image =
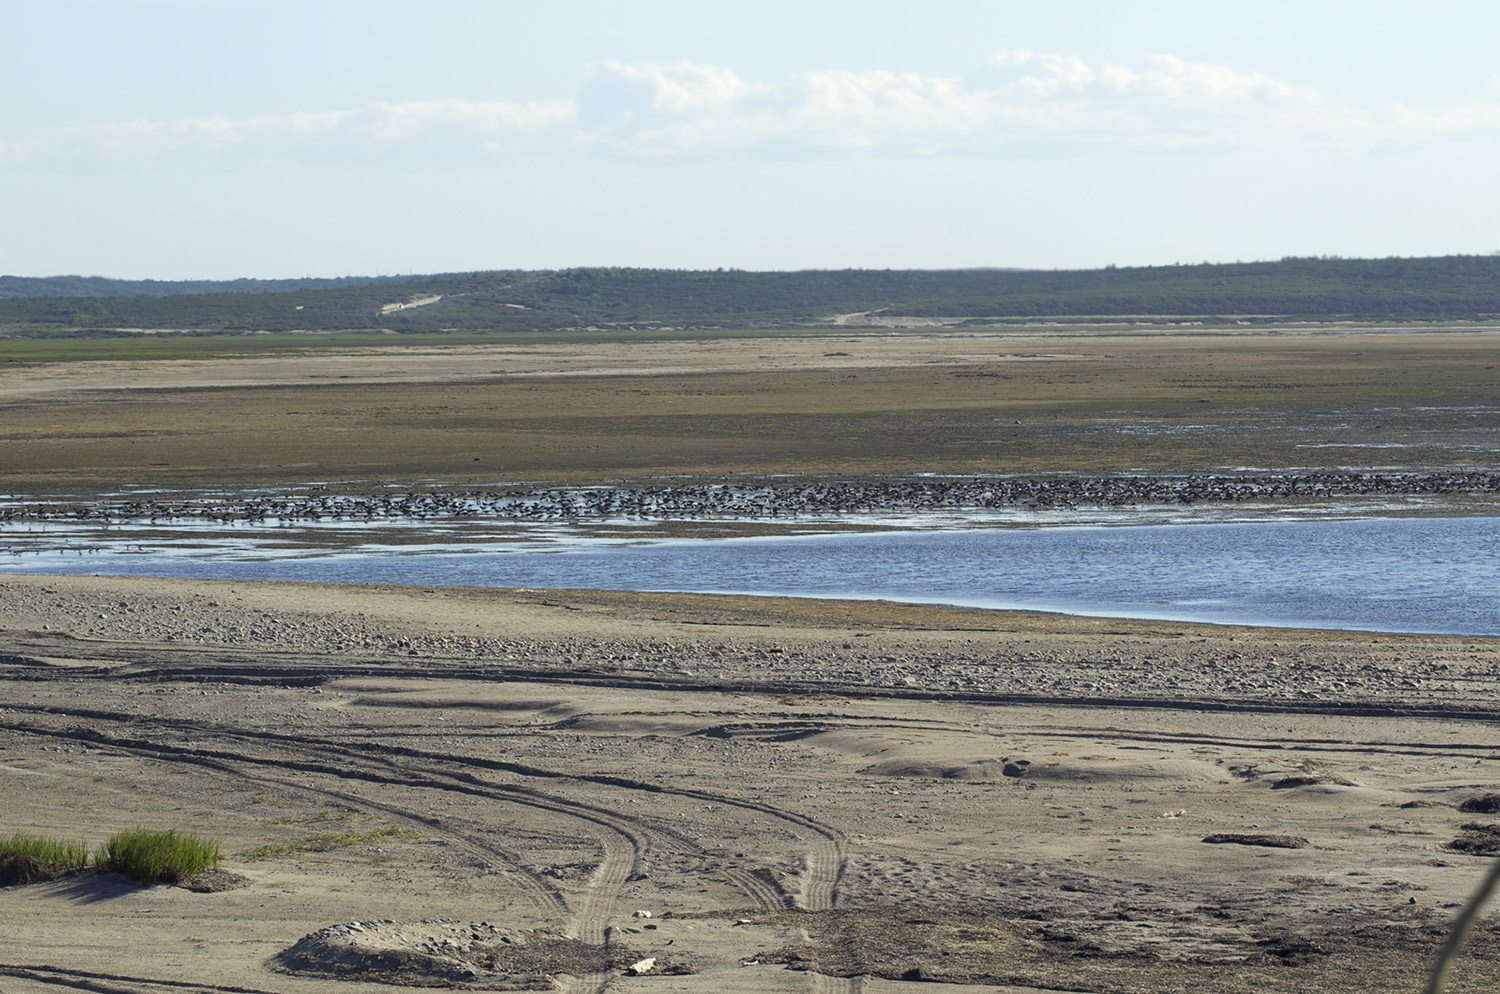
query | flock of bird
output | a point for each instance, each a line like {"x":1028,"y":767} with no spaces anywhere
{"x":762,"y":499}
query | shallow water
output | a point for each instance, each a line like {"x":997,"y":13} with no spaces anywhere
{"x":1418,"y":574}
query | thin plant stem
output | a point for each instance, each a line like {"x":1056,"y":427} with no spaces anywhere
{"x":1460,"y":931}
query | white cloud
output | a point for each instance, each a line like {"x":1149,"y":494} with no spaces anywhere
{"x":1042,"y":75}
{"x":616,"y":89}
{"x":1466,"y":120}
{"x":1170,"y":103}
{"x":434,"y":129}
{"x":1019,"y":103}
{"x":902,"y":112}
{"x":683,"y":109}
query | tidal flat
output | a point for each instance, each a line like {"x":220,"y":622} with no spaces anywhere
{"x":826,"y":404}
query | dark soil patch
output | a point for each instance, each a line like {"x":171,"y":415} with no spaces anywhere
{"x":213,"y":881}
{"x":1484,"y":804}
{"x":1148,"y":950}
{"x":1295,"y":781}
{"x":1251,"y":839}
{"x":18,"y":869}
{"x":1477,"y":840}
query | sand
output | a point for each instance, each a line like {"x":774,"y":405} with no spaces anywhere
{"x":800,"y":795}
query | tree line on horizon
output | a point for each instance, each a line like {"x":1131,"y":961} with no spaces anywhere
{"x":1449,"y":288}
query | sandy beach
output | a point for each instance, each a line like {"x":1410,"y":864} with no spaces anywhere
{"x":801,"y":795}
{"x":588,"y":791}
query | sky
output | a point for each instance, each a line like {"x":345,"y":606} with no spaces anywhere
{"x":216,"y":139}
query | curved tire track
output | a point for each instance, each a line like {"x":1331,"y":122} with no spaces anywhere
{"x":622,"y":841}
{"x":110,"y":983}
{"x":823,"y":862}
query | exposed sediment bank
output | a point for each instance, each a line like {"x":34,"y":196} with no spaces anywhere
{"x":582,"y":412}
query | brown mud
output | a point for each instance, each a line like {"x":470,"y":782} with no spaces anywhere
{"x":981,"y":402}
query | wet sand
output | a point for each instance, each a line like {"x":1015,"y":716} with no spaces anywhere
{"x":803,"y":795}
{"x":836,"y":404}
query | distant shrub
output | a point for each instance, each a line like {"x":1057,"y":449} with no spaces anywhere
{"x":158,"y":857}
{"x":26,"y":858}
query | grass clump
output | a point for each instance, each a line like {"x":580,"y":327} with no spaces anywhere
{"x":26,"y":858}
{"x":329,"y":841}
{"x":319,"y":816}
{"x":158,"y":857}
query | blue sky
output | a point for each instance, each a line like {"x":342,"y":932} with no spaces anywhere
{"x":176,"y":139}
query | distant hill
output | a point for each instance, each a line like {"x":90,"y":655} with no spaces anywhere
{"x":1452,"y":288}
{"x":12,"y":287}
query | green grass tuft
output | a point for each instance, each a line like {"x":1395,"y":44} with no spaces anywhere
{"x":328,"y":841}
{"x":158,"y":857}
{"x":57,"y":855}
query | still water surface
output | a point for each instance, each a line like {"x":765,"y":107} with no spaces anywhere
{"x":1417,"y":574}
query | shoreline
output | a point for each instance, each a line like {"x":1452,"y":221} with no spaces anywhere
{"x":750,"y":558}
{"x":428,"y":620}
{"x":883,"y":599}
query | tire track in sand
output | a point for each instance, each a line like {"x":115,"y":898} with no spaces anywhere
{"x":822,"y":869}
{"x":113,"y":983}
{"x":541,"y":895}
{"x":622,"y":843}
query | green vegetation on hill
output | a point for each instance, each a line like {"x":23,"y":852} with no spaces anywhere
{"x":1453,"y":288}
{"x":98,"y":286}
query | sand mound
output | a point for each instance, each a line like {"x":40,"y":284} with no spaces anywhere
{"x":425,"y":953}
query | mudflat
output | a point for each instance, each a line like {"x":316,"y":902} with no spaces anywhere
{"x":435,"y":786}
{"x":981,"y":402}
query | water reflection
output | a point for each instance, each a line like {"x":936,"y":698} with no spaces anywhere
{"x":1413,"y":573}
